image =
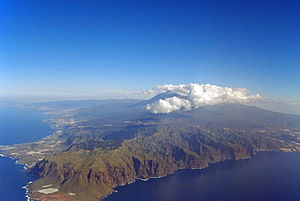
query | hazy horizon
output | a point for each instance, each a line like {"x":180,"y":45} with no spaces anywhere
{"x":185,"y":96}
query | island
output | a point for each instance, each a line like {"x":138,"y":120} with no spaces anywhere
{"x":98,"y":145}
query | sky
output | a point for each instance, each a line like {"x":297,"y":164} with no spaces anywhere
{"x":107,"y":49}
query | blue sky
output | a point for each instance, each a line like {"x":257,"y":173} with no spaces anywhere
{"x":83,"y":48}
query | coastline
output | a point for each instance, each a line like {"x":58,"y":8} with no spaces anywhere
{"x":231,"y":169}
{"x":25,"y":167}
{"x":27,"y":193}
{"x":200,"y":168}
{"x":113,"y":189}
{"x":27,"y":187}
{"x":54,"y":127}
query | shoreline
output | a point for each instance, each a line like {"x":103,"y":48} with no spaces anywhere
{"x":27,"y":193}
{"x":25,"y":167}
{"x":54,"y":129}
{"x":27,"y":187}
{"x":139,"y":186}
{"x":201,"y":168}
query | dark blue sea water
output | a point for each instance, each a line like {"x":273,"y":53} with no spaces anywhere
{"x":18,"y":126}
{"x":266,"y":177}
{"x":12,"y":178}
{"x":22,"y":125}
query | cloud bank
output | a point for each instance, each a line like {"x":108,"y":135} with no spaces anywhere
{"x":194,"y":95}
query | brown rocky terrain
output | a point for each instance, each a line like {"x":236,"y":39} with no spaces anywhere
{"x":92,"y":174}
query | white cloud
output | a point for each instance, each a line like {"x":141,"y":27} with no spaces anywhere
{"x":195,"y":95}
{"x":169,"y":105}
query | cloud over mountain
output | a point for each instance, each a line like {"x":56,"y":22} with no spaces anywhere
{"x":195,"y":95}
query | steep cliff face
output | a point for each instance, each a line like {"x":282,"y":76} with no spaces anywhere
{"x":92,"y":174}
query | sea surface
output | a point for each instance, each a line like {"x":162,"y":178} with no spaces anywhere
{"x":18,"y":126}
{"x":265,"y":177}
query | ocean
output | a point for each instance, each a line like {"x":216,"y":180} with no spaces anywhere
{"x":18,"y":126}
{"x":266,"y":177}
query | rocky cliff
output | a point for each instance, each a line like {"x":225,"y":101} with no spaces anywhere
{"x":92,"y":174}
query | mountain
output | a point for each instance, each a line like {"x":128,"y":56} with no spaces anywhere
{"x":116,"y":142}
{"x":168,"y":94}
